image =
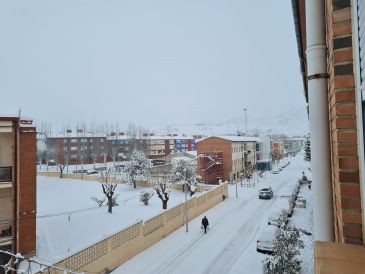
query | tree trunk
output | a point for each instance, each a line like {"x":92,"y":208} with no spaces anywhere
{"x":164,"y":204}
{"x":61,"y":173}
{"x":134,"y":184}
{"x":110,"y":204}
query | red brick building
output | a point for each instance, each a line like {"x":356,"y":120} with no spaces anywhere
{"x":330,"y":35}
{"x":235,"y":154}
{"x":17,"y":187}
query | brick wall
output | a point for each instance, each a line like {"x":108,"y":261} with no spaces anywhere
{"x":342,"y":118}
{"x":26,"y":241}
{"x":218,"y":145}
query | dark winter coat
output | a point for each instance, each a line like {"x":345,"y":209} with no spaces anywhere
{"x":205,"y":222}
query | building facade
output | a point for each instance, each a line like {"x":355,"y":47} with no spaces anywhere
{"x":17,"y":187}
{"x":330,"y":45}
{"x":237,"y":154}
{"x":277,"y":150}
{"x":184,"y":144}
{"x":74,"y":148}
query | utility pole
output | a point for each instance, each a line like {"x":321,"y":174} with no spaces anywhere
{"x":245,"y":110}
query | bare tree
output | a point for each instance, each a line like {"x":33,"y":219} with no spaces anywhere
{"x":162,"y":187}
{"x":61,"y":160}
{"x":113,"y":152}
{"x":95,"y":151}
{"x":41,"y":151}
{"x":108,"y":187}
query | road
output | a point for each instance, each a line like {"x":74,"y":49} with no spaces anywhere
{"x":233,"y":227}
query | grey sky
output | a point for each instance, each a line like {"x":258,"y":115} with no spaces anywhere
{"x":147,"y":62}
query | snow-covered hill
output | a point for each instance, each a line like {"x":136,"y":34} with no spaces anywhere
{"x":293,"y":122}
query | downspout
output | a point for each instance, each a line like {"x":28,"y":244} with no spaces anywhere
{"x":319,"y":120}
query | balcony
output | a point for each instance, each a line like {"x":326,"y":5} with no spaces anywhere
{"x":6,"y":176}
{"x":337,"y":258}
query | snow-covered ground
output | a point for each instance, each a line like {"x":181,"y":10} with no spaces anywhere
{"x":230,"y":245}
{"x":69,"y":221}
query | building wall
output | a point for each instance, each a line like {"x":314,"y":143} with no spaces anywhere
{"x":218,"y":144}
{"x":6,"y":148}
{"x":26,"y":241}
{"x":342,"y":120}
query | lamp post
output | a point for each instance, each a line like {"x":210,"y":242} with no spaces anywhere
{"x":186,"y":208}
{"x":245,"y":110}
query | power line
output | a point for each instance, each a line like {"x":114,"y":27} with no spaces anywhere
{"x":20,"y":258}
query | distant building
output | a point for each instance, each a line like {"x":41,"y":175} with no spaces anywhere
{"x":119,"y":146}
{"x":263,"y":153}
{"x":17,"y":187}
{"x":183,"y":144}
{"x":293,"y":145}
{"x":277,"y":150}
{"x":71,"y":147}
{"x":235,"y":155}
{"x":156,"y":147}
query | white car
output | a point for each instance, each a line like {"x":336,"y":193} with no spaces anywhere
{"x":286,"y":204}
{"x":91,"y":171}
{"x":265,"y":239}
{"x":275,"y":171}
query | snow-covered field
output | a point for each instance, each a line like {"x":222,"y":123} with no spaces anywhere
{"x":69,"y":221}
{"x":230,"y":245}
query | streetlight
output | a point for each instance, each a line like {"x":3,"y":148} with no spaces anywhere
{"x":245,"y":110}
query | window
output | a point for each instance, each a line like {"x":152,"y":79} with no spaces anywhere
{"x":5,"y":174}
{"x":73,"y":140}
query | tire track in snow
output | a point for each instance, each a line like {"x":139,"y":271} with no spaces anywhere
{"x":225,"y":260}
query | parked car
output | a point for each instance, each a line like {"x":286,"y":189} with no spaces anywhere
{"x":275,"y":214}
{"x":265,"y":239}
{"x":91,"y":171}
{"x":266,"y":193}
{"x":80,"y":171}
{"x":286,"y":204}
{"x":275,"y":171}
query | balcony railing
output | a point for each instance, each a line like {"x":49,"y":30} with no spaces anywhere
{"x":5,"y":174}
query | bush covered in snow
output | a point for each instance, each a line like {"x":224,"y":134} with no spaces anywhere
{"x":144,"y":197}
{"x":286,"y":249}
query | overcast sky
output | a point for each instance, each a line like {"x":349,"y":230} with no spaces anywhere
{"x":148,"y":62}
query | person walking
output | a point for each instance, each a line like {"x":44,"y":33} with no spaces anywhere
{"x":205,"y":224}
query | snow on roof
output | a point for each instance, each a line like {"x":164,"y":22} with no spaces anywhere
{"x":193,"y":152}
{"x":233,"y":138}
{"x":75,"y":135}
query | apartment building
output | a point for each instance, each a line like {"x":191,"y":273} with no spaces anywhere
{"x":17,"y":187}
{"x":330,"y":37}
{"x":156,"y":147}
{"x":236,"y":154}
{"x":183,"y":144}
{"x":72,"y":147}
{"x":119,"y":146}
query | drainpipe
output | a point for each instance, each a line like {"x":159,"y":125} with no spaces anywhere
{"x":319,"y":120}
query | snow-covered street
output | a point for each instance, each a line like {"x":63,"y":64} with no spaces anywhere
{"x":230,"y":245}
